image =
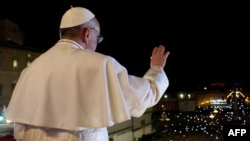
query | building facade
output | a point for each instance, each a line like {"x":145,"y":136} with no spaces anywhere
{"x":12,"y":61}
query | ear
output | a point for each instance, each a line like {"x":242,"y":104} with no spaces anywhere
{"x":85,"y":35}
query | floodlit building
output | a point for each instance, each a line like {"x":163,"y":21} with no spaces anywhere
{"x":13,"y":59}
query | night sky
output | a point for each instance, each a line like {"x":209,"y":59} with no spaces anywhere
{"x":208,"y":41}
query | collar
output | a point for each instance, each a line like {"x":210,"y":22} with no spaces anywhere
{"x":76,"y":45}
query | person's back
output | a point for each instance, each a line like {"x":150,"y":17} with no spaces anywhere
{"x":72,"y":93}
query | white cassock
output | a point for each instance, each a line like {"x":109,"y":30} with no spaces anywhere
{"x":68,"y":87}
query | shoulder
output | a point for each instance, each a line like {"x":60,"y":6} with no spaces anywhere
{"x":98,"y":56}
{"x":106,"y":61}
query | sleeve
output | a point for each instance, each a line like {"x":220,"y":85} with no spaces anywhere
{"x":158,"y":83}
{"x":141,"y":93}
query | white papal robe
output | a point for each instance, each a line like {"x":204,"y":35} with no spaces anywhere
{"x":68,"y":87}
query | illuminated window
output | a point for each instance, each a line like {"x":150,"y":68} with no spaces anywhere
{"x":28,"y":63}
{"x":181,"y":96}
{"x":15,"y":63}
{"x":28,"y":59}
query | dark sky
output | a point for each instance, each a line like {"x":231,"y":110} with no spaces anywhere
{"x":208,"y":41}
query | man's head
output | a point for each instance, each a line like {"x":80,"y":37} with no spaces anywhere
{"x":79,"y":24}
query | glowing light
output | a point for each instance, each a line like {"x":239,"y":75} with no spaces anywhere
{"x":181,"y":96}
{"x":165,"y":96}
{"x":215,"y":111}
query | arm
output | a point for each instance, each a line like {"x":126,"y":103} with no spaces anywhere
{"x":157,"y":79}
